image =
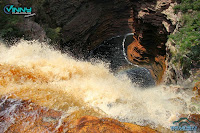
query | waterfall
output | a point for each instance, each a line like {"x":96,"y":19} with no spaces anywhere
{"x":124,"y":51}
{"x":34,"y":71}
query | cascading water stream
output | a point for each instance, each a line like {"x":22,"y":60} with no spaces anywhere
{"x":124,"y":51}
{"x":34,"y":71}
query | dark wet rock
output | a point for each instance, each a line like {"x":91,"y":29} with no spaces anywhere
{"x":141,"y":76}
{"x":111,"y":51}
{"x":86,"y":24}
{"x":33,"y":30}
{"x":125,"y":51}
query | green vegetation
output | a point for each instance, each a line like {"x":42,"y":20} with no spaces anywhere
{"x":53,"y":34}
{"x":8,"y":25}
{"x":187,"y":39}
{"x":187,"y":5}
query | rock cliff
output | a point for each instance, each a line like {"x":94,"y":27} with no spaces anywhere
{"x":81,"y":26}
{"x":86,"y":24}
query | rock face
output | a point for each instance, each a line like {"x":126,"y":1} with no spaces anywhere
{"x":142,"y":55}
{"x":89,"y":124}
{"x":136,"y":53}
{"x":33,"y":30}
{"x":89,"y":23}
{"x":24,"y":116}
{"x":86,"y":24}
{"x":152,"y":22}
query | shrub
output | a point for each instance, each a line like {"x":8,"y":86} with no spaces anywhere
{"x":187,"y":39}
{"x":53,"y":34}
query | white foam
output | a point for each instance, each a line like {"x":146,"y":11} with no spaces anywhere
{"x":91,"y":84}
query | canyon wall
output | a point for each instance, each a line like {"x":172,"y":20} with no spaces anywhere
{"x":85,"y":24}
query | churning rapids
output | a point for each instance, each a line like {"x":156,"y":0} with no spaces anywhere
{"x":34,"y":71}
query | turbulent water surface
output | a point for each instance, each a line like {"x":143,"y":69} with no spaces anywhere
{"x":34,"y":71}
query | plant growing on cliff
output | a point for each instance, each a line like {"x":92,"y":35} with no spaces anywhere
{"x":53,"y":34}
{"x":187,"y":39}
{"x":186,"y":5}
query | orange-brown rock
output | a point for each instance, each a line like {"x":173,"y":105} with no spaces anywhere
{"x":150,"y":57}
{"x":136,"y":53}
{"x":197,"y":88}
{"x":159,"y":68}
{"x":196,"y":119}
{"x":23,"y":116}
{"x":26,"y":117}
{"x":90,"y":124}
